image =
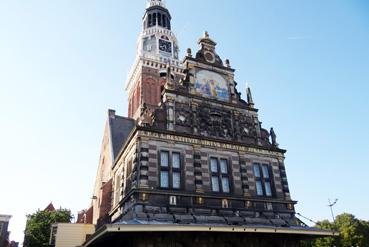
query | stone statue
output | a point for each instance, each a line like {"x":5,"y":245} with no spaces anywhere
{"x":274,"y":137}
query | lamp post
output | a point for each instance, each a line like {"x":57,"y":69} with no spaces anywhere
{"x":331,"y":206}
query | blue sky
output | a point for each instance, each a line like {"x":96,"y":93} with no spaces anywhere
{"x":63,"y":63}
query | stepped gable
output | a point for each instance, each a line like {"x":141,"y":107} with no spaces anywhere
{"x":209,"y":108}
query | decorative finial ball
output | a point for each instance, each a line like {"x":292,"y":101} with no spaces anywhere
{"x":206,"y":34}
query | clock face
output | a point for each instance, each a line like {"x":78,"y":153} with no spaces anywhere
{"x":165,"y":46}
{"x":212,"y":85}
{"x":209,"y":57}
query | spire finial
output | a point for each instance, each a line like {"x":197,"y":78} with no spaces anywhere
{"x":206,"y":34}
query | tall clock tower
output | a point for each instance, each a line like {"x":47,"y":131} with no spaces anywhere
{"x":156,"y":61}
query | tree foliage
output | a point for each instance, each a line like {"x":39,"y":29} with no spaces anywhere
{"x":38,"y":226}
{"x":353,"y":232}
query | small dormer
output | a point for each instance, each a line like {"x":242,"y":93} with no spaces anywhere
{"x":207,"y":51}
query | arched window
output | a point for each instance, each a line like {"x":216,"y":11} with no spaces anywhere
{"x":154,"y":19}
{"x":164,"y":20}
{"x":150,"y":20}
{"x":159,"y":19}
{"x":168,"y":23}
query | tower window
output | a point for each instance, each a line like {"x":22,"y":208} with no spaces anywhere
{"x":170,"y":170}
{"x":168,"y":23}
{"x":150,"y":20}
{"x":154,"y":19}
{"x":262,"y":180}
{"x":164,"y":20}
{"x":159,"y":19}
{"x":219,"y":175}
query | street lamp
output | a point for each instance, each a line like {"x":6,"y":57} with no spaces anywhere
{"x":331,"y":206}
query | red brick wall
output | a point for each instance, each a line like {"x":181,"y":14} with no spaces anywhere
{"x":105,"y":205}
{"x":148,"y":89}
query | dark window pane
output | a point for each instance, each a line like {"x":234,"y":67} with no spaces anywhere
{"x":164,"y":179}
{"x":176,"y":180}
{"x":164,"y":159}
{"x":150,"y":20}
{"x":257,"y":170}
{"x":265,"y":171}
{"x":259,"y":188}
{"x":159,"y":19}
{"x":215,"y":184}
{"x":224,"y":166}
{"x":214,"y":165}
{"x":164,"y":21}
{"x":268,"y":190}
{"x":154,"y":19}
{"x":176,"y":160}
{"x":225,"y":185}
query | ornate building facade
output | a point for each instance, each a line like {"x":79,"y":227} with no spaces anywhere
{"x":192,"y":164}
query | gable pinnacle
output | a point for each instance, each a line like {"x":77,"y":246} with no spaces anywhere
{"x":250,"y":101}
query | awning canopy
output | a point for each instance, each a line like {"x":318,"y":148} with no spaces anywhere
{"x":142,"y":228}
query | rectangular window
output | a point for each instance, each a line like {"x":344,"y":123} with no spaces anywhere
{"x":223,"y":166}
{"x":262,"y":180}
{"x":268,"y":189}
{"x":164,"y":158}
{"x":259,"y":188}
{"x":170,"y":170}
{"x":214,"y":165}
{"x":219,"y":175}
{"x":176,"y":158}
{"x":164,"y":179}
{"x":257,"y":170}
{"x":176,"y":180}
{"x":215,"y":184}
{"x":225,"y":185}
{"x":265,"y":171}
